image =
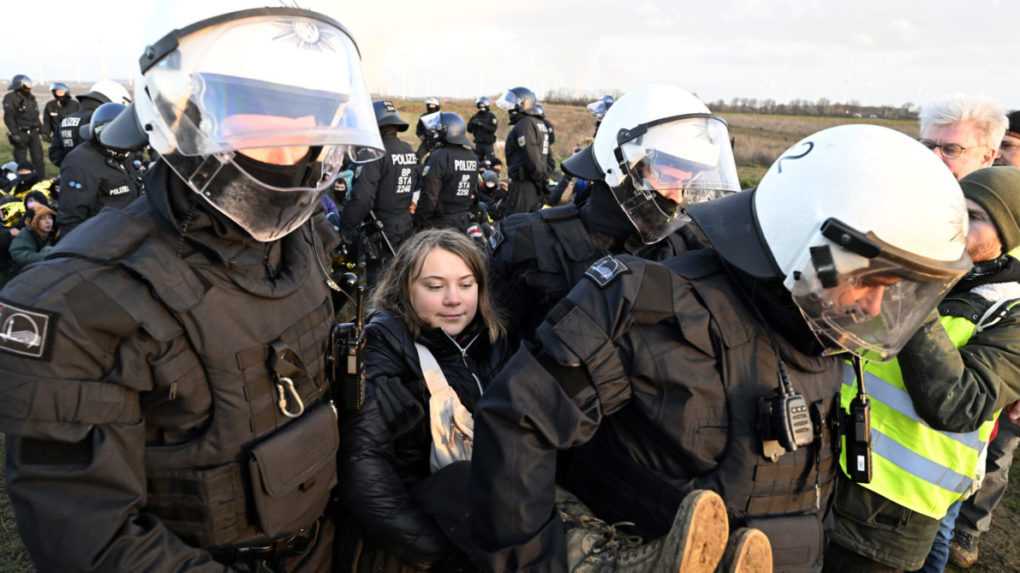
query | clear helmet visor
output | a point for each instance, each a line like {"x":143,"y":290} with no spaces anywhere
{"x":264,"y":81}
{"x":283,"y":89}
{"x":876,"y":305}
{"x":670,"y":166}
{"x":598,"y":108}
{"x":432,"y":121}
{"x":507,"y":101}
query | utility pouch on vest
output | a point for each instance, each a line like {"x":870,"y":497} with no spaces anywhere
{"x":294,"y":470}
{"x":797,"y":541}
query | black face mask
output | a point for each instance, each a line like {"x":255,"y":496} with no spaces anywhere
{"x":283,"y":176}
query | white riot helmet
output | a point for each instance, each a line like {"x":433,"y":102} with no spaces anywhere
{"x":112,"y":91}
{"x":230,"y":99}
{"x":659,"y":149}
{"x":865,"y":226}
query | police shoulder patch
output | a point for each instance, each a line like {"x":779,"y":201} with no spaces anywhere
{"x":522,"y":141}
{"x":26,"y":331}
{"x":606,"y":269}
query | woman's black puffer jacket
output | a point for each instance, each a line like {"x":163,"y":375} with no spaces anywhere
{"x":385,"y":447}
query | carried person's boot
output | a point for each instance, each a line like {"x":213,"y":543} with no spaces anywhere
{"x":963,"y":549}
{"x":748,"y":552}
{"x":694,"y":544}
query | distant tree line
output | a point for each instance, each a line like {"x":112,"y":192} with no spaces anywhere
{"x":820,"y":107}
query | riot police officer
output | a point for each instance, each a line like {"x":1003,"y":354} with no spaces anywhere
{"x":382,"y":192}
{"x":599,"y":107}
{"x":482,"y":126}
{"x":164,"y":368}
{"x":539,"y":257}
{"x":551,"y":160}
{"x":450,"y":175}
{"x":94,"y":176}
{"x":69,"y":135}
{"x":428,"y":139}
{"x":527,"y":151}
{"x":56,"y":110}
{"x":21,"y":116}
{"x":714,"y":370}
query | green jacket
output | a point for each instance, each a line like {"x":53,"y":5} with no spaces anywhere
{"x":27,"y":248}
{"x":952,"y":390}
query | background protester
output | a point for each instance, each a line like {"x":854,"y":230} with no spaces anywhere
{"x":1009,"y":149}
{"x":35,"y":240}
{"x":964,"y":131}
{"x":433,"y":303}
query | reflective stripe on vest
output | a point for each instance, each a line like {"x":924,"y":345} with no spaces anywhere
{"x":915,"y":465}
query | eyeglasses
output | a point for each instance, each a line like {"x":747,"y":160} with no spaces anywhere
{"x":949,"y":150}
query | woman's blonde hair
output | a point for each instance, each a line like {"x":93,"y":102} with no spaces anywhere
{"x":393,"y":293}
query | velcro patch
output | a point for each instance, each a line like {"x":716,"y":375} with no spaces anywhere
{"x":25,"y":331}
{"x":606,"y":269}
{"x":522,"y":141}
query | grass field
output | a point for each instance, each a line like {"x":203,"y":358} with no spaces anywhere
{"x":759,"y":139}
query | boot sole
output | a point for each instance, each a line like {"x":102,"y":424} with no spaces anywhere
{"x":750,"y":552}
{"x":704,"y":529}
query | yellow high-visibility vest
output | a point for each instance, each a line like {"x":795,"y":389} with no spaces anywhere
{"x":913,"y":464}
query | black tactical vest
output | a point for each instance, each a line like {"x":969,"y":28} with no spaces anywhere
{"x":636,"y":454}
{"x":225,"y":465}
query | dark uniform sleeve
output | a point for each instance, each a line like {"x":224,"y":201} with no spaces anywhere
{"x":956,"y":390}
{"x":432,"y":185}
{"x":536,"y":164}
{"x":78,"y":198}
{"x":549,"y":396}
{"x":514,"y":243}
{"x":373,"y":489}
{"x":9,"y":114}
{"x":362,"y":197}
{"x":75,"y":433}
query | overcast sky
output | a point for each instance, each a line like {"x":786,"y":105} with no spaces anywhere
{"x":874,"y":51}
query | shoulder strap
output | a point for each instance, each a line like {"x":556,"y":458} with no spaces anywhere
{"x":571,"y":233}
{"x":435,"y":380}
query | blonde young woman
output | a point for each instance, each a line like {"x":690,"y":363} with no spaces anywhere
{"x":431,"y":307}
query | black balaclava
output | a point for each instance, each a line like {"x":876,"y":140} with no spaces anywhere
{"x":283,"y":176}
{"x":602,"y":214}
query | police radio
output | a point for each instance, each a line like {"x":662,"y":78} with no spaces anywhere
{"x":784,"y":420}
{"x":857,"y":430}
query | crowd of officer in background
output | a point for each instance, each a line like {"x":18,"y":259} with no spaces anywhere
{"x":635,"y":366}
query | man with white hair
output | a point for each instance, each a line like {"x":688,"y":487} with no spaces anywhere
{"x":964,"y":131}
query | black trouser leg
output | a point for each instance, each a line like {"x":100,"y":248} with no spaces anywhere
{"x":38,"y":159}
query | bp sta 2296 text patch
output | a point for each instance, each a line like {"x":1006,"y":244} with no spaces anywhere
{"x":25,"y":331}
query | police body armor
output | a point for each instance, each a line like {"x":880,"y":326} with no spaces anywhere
{"x":786,"y":499}
{"x":457,"y":169}
{"x":916,"y":466}
{"x":68,"y":136}
{"x":241,"y":441}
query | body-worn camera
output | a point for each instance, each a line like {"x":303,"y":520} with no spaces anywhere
{"x":857,"y":431}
